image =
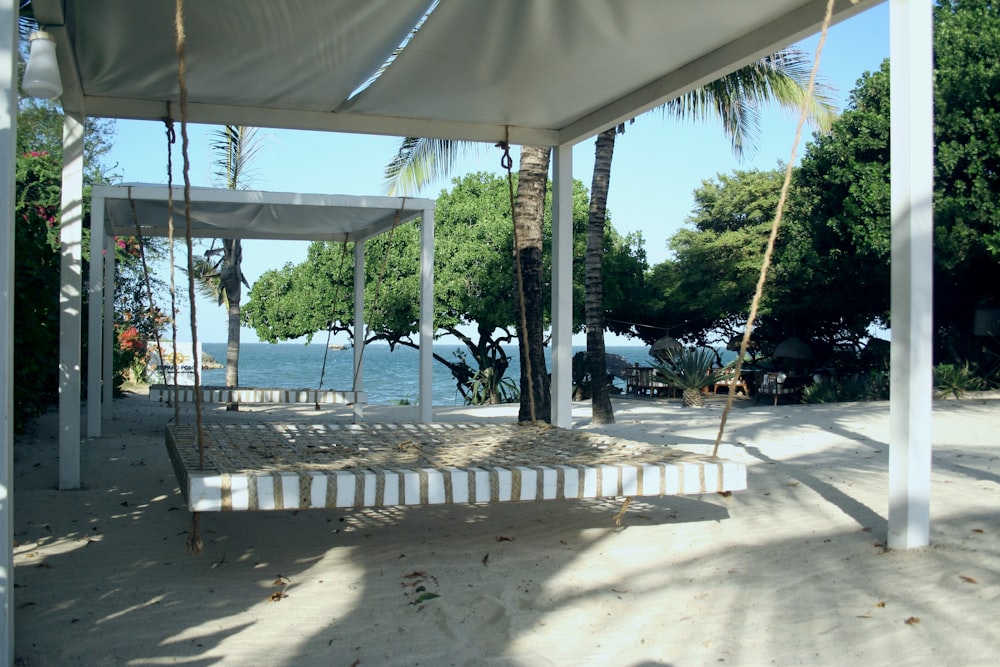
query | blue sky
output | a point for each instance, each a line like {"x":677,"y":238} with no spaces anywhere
{"x":657,"y":165}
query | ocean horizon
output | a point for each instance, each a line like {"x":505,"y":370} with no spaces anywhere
{"x":390,"y":376}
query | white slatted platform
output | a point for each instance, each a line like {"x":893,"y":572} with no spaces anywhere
{"x":325,"y":466}
{"x":165,"y":393}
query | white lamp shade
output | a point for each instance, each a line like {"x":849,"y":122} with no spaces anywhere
{"x":41,"y":76}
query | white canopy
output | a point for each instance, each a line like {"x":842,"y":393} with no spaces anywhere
{"x":252,"y":214}
{"x":554,"y":71}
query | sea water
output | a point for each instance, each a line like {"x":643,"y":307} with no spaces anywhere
{"x":390,"y":376}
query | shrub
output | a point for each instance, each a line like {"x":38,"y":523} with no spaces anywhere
{"x":955,"y":380}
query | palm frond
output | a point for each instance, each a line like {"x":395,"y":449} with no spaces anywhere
{"x":206,"y":277}
{"x":736,"y":99}
{"x":421,"y":161}
{"x":235,"y":147}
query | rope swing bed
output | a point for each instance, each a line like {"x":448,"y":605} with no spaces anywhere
{"x":291,"y":466}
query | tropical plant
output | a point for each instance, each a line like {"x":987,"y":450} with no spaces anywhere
{"x":35,"y":287}
{"x":490,"y":387}
{"x":955,"y":380}
{"x":691,"y":370}
{"x":870,"y":386}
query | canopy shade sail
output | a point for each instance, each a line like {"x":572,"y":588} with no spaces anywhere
{"x":250,"y":214}
{"x":539,"y":73}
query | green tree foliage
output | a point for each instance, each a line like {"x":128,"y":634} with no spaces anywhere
{"x":707,"y":287}
{"x":831,"y":279}
{"x":474,"y":289}
{"x":37,"y":263}
{"x":36,"y":278}
{"x":967,"y":170}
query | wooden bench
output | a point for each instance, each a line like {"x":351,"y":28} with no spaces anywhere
{"x":777,"y":385}
{"x":642,"y":380}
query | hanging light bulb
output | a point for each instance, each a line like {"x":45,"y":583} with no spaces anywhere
{"x":41,"y":76}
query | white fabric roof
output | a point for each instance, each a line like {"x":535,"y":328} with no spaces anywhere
{"x":251,"y":214}
{"x":549,"y":72}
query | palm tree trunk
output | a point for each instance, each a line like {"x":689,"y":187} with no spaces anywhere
{"x":603,"y":413}
{"x":529,"y":210}
{"x":232,"y":262}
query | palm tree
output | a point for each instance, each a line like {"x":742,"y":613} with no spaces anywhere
{"x":219,"y":272}
{"x":735,"y":100}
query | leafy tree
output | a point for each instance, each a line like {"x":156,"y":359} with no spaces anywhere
{"x":835,"y":268}
{"x":831,"y":279}
{"x":831,"y":275}
{"x":474,"y":284}
{"x":967,"y":170}
{"x":37,"y":260}
{"x":36,"y":284}
{"x":707,"y":287}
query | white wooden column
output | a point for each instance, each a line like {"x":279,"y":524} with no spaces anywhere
{"x":108,"y":339}
{"x":70,"y":302}
{"x":358,"y":380}
{"x":95,"y":319}
{"x":562,"y":286}
{"x":426,"y":380}
{"x":911,"y":376}
{"x":8,"y":133}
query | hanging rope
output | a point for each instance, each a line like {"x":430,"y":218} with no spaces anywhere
{"x":151,"y":310}
{"x":507,"y":163}
{"x":171,"y":139}
{"x":775,"y":226}
{"x":329,"y":328}
{"x":194,"y":542}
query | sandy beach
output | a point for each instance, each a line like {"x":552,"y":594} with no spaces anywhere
{"x":792,"y":571}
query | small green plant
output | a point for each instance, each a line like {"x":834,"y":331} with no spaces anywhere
{"x":488,"y":386}
{"x":955,"y":380}
{"x":870,"y":386}
{"x":690,"y":370}
{"x":821,"y":392}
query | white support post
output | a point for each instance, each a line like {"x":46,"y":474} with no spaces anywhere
{"x":912,"y":165}
{"x":358,"y":381}
{"x":426,"y":379}
{"x":95,"y":319}
{"x":562,"y":286}
{"x":70,"y":302}
{"x":108,"y":367}
{"x":8,"y":134}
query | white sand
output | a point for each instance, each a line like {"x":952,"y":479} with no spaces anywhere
{"x":789,"y":572}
